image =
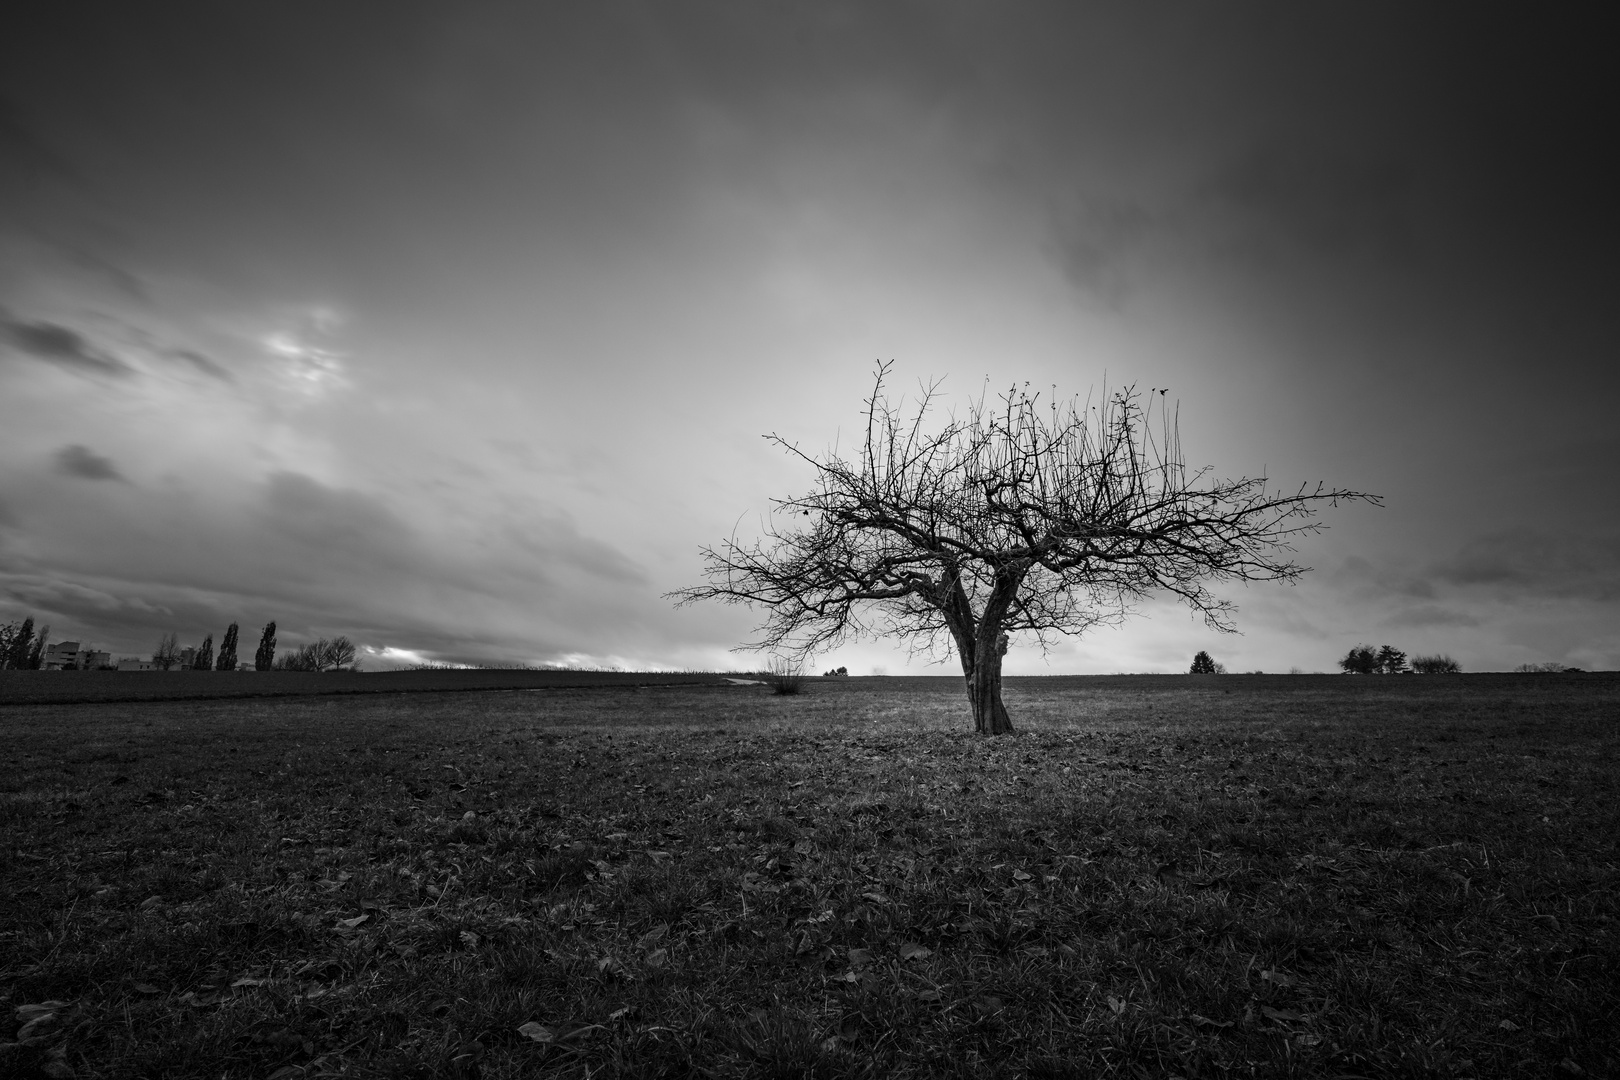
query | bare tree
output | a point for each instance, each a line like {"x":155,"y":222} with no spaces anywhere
{"x":336,"y":654}
{"x":167,"y":653}
{"x":1014,"y":518}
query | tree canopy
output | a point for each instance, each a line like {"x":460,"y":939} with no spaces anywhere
{"x":1013,"y":517}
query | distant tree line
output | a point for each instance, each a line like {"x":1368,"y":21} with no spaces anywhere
{"x":1388,"y":660}
{"x":24,"y":648}
{"x":326,"y":654}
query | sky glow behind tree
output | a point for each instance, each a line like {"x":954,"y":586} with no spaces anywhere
{"x":454,"y":329}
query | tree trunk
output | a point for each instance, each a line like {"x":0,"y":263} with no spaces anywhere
{"x":983,"y":670}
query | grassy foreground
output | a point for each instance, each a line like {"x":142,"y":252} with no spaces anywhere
{"x":1250,"y":876}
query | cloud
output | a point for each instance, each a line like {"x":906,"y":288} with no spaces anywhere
{"x":84,"y":463}
{"x":202,"y":364}
{"x":319,"y":559}
{"x":1425,"y":615}
{"x":1324,"y":201}
{"x":21,"y":147}
{"x":60,"y":345}
{"x":1532,"y":561}
{"x":1092,"y":247}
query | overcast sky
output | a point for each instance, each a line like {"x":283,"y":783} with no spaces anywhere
{"x":454,"y":328}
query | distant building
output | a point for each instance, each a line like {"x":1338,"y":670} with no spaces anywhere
{"x":64,"y":654}
{"x":135,"y":663}
{"x":69,"y":655}
{"x":188,"y":656}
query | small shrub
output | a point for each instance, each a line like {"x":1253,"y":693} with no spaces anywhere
{"x":1435,"y":665}
{"x":1540,"y":669}
{"x":785,"y":678}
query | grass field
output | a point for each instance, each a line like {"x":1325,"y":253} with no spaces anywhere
{"x":1159,"y":876}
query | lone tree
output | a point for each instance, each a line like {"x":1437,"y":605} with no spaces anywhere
{"x":1203,"y":664}
{"x":265,"y":657}
{"x":204,"y":658}
{"x":167,"y":653}
{"x":337,"y":654}
{"x":227,"y":650}
{"x":1014,"y":517}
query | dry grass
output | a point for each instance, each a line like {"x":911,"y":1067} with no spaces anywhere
{"x":1240,"y":876}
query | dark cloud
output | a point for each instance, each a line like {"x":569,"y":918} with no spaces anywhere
{"x":110,"y":272}
{"x":1531,"y":561}
{"x":22,"y":148}
{"x":1365,"y":580}
{"x":202,"y":364}
{"x":59,"y":345}
{"x":1328,"y":201}
{"x":1427,"y":615}
{"x":86,"y":464}
{"x":1092,"y":247}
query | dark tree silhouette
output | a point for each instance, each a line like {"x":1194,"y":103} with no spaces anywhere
{"x":265,"y":658}
{"x":227,"y":650}
{"x":1203,"y":664}
{"x":1391,"y":661}
{"x":167,"y":653}
{"x":16,"y":643}
{"x":1013,"y":518}
{"x":335,"y":654}
{"x":1435,"y":665}
{"x":204,"y":658}
{"x":1361,"y":660}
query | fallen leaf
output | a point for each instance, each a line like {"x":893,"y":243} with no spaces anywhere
{"x":875,"y":897}
{"x":1281,"y":1015}
{"x":533,"y":1030}
{"x":913,"y":951}
{"x":354,"y":922}
{"x":1207,"y":1022}
{"x":657,"y":958}
{"x":1117,"y":1005}
{"x":26,"y":1013}
{"x":1019,"y":875}
{"x":469,"y":939}
{"x":1508,"y":1025}
{"x":859,"y":958}
{"x":1277,"y":978}
{"x":145,"y":988}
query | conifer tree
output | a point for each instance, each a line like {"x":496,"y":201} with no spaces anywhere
{"x":1203,"y":664}
{"x":204,"y":660}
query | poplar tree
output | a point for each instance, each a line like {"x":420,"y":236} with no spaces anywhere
{"x":204,"y":660}
{"x":265,"y":658}
{"x":227,"y":650}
